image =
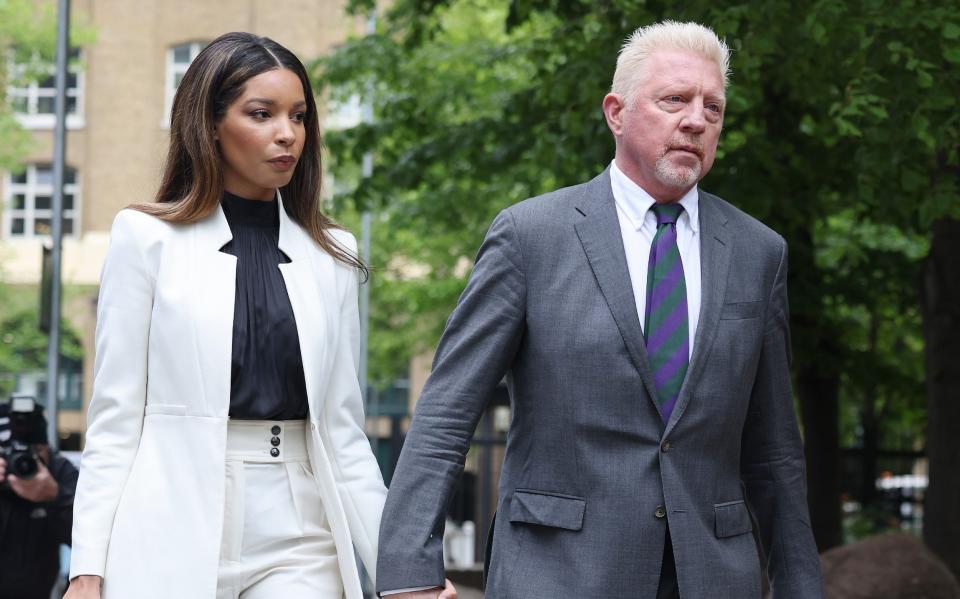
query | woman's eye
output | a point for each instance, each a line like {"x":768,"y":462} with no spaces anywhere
{"x":299,"y":117}
{"x":260,"y":114}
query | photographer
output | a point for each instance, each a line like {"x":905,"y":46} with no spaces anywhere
{"x":36,"y":502}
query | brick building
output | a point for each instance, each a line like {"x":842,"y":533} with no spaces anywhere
{"x":119,"y":102}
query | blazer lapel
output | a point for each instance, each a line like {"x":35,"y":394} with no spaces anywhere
{"x":214,"y":288}
{"x":599,"y":233}
{"x":302,"y":276}
{"x":715,"y":248}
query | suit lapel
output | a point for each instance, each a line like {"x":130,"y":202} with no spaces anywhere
{"x":599,"y":233}
{"x":214,"y":288}
{"x":301,"y":277}
{"x":715,"y":248}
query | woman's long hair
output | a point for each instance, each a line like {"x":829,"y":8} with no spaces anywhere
{"x":192,"y":184}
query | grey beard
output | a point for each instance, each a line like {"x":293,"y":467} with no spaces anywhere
{"x":668,"y":174}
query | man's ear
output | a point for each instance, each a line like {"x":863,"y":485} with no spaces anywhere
{"x":613,"y":106}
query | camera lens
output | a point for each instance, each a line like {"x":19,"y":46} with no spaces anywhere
{"x":23,"y":465}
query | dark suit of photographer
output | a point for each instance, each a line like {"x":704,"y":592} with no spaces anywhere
{"x":36,"y":517}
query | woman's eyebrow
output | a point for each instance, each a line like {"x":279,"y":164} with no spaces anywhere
{"x":269,"y":102}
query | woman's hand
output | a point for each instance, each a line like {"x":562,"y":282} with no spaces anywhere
{"x":448,"y":592}
{"x":84,"y":587}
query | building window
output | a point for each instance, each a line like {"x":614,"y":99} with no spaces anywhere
{"x":178,"y":60}
{"x":28,"y":202}
{"x":33,"y":97}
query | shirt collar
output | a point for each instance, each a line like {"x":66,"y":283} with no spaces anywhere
{"x":635,"y":202}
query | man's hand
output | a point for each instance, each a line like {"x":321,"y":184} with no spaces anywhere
{"x":39,"y":489}
{"x":449,"y":592}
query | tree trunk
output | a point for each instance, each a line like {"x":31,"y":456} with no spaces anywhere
{"x":817,"y":379}
{"x":868,"y":460}
{"x":940,"y":299}
{"x":871,"y":429}
{"x":819,"y":406}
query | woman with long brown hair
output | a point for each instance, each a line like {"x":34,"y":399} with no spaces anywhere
{"x":225,"y":454}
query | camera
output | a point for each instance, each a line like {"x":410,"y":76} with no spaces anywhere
{"x":26,"y":429}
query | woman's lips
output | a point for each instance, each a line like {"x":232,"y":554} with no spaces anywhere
{"x":283,"y":163}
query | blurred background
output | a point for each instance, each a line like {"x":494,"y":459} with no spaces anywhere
{"x":842,"y":133}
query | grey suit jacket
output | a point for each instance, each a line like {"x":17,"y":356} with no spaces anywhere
{"x":592,"y":475}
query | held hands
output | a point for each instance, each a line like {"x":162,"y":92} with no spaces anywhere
{"x":84,"y":587}
{"x":448,"y":592}
{"x":39,"y":489}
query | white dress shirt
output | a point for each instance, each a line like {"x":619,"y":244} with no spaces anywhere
{"x":638,"y":225}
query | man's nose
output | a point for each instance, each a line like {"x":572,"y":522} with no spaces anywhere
{"x":695,"y":119}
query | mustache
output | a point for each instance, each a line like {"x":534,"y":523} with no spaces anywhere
{"x":689,"y":144}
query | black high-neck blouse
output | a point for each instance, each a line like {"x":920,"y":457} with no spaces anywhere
{"x":267,"y":381}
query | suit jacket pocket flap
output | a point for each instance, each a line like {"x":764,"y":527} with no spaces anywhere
{"x":732,"y":519}
{"x":740,"y":310}
{"x":547,"y":509}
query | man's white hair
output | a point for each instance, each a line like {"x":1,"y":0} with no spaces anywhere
{"x":666,"y":35}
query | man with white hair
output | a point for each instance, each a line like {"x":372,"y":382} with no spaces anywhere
{"x":642,"y":327}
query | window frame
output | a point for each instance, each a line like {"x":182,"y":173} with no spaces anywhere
{"x":33,"y":91}
{"x":172,"y":69}
{"x":30,"y":189}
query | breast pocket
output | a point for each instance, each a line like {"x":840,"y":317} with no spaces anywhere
{"x":741,"y":310}
{"x":153,"y":409}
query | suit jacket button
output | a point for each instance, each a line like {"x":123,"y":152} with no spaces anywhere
{"x":275,"y":430}
{"x":660,"y":513}
{"x":665,"y":446}
{"x":274,"y":451}
{"x":275,"y":441}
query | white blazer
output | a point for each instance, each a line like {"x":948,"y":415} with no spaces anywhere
{"x":148,"y":513}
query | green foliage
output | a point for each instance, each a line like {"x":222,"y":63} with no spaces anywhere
{"x":28,"y":35}
{"x":28,"y":27}
{"x":878,"y":323}
{"x":23,"y":347}
{"x":867,"y":523}
{"x":841,"y":133}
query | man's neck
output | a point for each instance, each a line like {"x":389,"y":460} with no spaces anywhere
{"x":660,"y":193}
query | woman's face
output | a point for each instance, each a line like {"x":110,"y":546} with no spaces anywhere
{"x":261,"y":136}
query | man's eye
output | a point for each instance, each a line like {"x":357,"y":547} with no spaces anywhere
{"x":714,"y":108}
{"x":674,"y":99}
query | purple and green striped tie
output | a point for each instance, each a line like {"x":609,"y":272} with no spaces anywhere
{"x":667,"y":327}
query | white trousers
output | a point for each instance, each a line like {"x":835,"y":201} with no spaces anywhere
{"x":276,"y":538}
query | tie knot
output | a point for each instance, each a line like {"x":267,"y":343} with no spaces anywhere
{"x":667,"y":213}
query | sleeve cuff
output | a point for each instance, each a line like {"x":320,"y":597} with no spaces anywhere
{"x":87,"y":561}
{"x":410,"y":590}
